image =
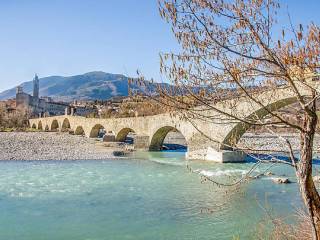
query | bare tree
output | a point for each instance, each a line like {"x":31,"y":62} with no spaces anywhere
{"x":233,"y":50}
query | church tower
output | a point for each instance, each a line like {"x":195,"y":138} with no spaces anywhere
{"x":36,"y":87}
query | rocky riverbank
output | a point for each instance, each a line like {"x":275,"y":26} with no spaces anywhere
{"x":51,"y":146}
{"x":267,"y":142}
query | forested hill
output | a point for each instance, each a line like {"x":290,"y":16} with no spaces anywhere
{"x":88,"y":86}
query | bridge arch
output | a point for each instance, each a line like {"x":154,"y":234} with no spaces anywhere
{"x":123,"y":133}
{"x":65,"y":125}
{"x":79,"y":131}
{"x":94,"y":133}
{"x":40,"y":125}
{"x":55,"y":125}
{"x":34,"y":126}
{"x":159,"y":137}
{"x":239,"y":129}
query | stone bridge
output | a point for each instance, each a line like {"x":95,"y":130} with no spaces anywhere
{"x":209,"y":137}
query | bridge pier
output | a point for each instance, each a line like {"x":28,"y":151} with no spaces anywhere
{"x":109,"y":137}
{"x":210,"y":154}
{"x":141,"y":142}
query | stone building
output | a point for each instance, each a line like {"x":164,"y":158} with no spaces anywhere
{"x":45,"y":106}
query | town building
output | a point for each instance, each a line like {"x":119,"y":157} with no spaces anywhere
{"x":45,"y":106}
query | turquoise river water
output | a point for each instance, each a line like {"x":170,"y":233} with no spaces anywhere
{"x":149,"y":196}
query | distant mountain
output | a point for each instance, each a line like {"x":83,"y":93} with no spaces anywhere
{"x":88,"y":86}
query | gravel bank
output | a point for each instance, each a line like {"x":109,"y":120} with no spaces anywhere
{"x":50,"y":146}
{"x":274,"y":143}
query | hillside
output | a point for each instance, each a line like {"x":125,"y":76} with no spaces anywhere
{"x":88,"y":86}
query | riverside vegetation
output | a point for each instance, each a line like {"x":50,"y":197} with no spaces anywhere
{"x":17,"y":120}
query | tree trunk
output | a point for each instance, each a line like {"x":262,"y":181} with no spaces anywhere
{"x":304,"y":173}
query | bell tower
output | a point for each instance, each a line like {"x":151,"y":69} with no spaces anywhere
{"x":36,"y":87}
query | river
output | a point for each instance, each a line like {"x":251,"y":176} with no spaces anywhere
{"x":149,"y":196}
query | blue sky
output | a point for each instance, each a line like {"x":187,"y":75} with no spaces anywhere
{"x":68,"y":37}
